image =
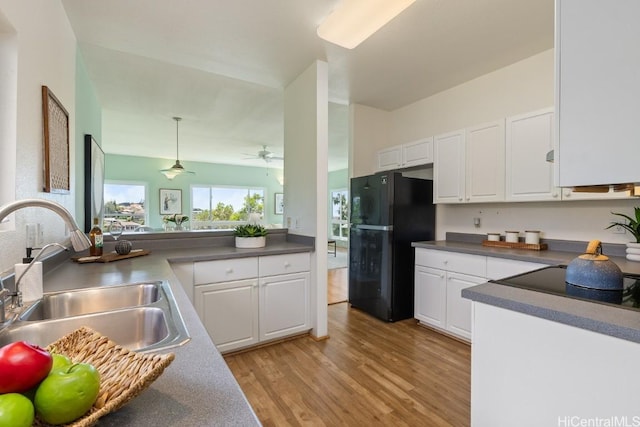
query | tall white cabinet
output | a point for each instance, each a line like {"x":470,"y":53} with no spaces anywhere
{"x":597,"y":91}
{"x":449,"y":167}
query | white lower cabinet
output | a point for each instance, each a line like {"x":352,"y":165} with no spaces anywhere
{"x":272,"y":303}
{"x":229,"y":312}
{"x":440,"y":277}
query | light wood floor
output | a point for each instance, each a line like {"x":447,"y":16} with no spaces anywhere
{"x":368,"y":372}
{"x":337,"y":285}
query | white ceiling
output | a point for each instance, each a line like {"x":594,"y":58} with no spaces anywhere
{"x":222,"y":66}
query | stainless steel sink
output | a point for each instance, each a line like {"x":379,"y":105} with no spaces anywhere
{"x":139,"y":316}
{"x":93,"y":300}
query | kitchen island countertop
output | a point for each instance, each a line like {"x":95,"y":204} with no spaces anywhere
{"x":607,"y":319}
{"x":197,"y":389}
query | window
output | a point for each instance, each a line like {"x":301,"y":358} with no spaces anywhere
{"x":124,"y":202}
{"x":340,"y":214}
{"x":224,"y":207}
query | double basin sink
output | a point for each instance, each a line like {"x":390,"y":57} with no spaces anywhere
{"x":138,"y":316}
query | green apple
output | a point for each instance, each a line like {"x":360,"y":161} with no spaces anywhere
{"x":15,"y":410}
{"x":67,"y":393}
{"x":60,"y":361}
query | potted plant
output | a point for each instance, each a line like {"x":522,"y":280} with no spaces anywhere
{"x":177,"y":219}
{"x":632,"y":226}
{"x":250,"y":236}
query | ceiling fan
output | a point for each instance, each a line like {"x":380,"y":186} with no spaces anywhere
{"x":265,"y":155}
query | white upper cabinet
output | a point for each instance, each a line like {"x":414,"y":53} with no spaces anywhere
{"x":485,"y":168}
{"x":448,"y":167}
{"x":417,"y":153}
{"x":389,"y":158}
{"x":414,"y":153}
{"x":597,"y":92}
{"x":529,"y":176}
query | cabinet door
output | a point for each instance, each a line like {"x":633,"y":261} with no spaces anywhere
{"x":284,"y":305}
{"x":449,"y":167}
{"x":417,"y":153}
{"x":229,"y":312}
{"x":430,"y":296}
{"x":485,"y":168}
{"x":529,"y":176}
{"x":458,"y":308}
{"x":597,"y":69}
{"x":390,"y":158}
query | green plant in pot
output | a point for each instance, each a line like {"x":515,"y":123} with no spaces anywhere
{"x":632,"y":225}
{"x":250,"y":236}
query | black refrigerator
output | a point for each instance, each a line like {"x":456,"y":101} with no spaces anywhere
{"x":388,"y":212}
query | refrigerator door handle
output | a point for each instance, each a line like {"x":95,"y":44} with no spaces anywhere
{"x":374,"y":227}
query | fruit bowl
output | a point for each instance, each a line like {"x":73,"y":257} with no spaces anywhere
{"x":124,"y":374}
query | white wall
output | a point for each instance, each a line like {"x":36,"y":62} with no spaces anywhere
{"x":369,"y":134}
{"x":46,"y":56}
{"x":527,"y":85}
{"x":306,"y":144}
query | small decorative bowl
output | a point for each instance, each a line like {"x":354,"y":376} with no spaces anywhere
{"x":123,"y":247}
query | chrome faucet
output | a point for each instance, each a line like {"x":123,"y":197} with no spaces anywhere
{"x":79,"y":239}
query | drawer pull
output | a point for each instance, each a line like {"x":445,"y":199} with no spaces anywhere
{"x":287,"y":265}
{"x":229,"y":270}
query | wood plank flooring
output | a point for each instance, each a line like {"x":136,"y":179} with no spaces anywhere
{"x":337,"y":285}
{"x":368,"y":372}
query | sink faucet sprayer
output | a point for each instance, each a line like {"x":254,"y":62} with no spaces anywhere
{"x":79,"y":239}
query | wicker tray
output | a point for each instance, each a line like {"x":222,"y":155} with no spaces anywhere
{"x":124,"y":374}
{"x":515,"y":245}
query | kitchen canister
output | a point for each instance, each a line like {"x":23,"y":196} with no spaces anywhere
{"x":493,"y":237}
{"x":511,"y":236}
{"x":532,"y":237}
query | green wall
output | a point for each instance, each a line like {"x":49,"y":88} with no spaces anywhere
{"x":88,"y":120}
{"x":146,"y":170}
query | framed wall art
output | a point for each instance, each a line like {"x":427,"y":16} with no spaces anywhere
{"x":278,"y":203}
{"x":93,"y":182}
{"x":170,"y":201}
{"x":55,"y":131}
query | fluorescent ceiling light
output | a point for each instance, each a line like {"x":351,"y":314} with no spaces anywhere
{"x":353,"y":21}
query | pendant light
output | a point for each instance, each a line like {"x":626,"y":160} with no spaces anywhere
{"x":177,"y":168}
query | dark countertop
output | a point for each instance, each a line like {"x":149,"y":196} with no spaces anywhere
{"x":197,"y":389}
{"x":606,"y":319}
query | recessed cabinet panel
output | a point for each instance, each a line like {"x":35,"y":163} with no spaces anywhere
{"x":448,"y":167}
{"x":430,"y":296}
{"x":284,"y":305}
{"x":229,"y":312}
{"x":485,"y":162}
{"x":417,"y":153}
{"x":390,"y":158}
{"x":529,"y":174}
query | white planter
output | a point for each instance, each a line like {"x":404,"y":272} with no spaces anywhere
{"x":633,"y":251}
{"x":251,"y":242}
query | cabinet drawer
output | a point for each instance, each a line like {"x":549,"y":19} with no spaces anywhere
{"x":474,"y":265}
{"x":284,"y":264}
{"x":499,"y":268}
{"x":225,"y":270}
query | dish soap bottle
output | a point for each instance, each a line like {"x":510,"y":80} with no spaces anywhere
{"x":95,"y":235}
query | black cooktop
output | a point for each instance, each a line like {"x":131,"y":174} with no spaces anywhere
{"x":552,"y":280}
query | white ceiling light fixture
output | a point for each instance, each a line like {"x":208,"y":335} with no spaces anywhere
{"x":353,"y":21}
{"x":177,"y":168}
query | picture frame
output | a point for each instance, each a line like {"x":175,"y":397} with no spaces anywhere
{"x":278,"y":203}
{"x":170,"y":201}
{"x":55,"y":133}
{"x":93,"y":182}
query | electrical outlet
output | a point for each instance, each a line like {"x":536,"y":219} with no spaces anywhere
{"x":476,"y":222}
{"x":618,"y":230}
{"x":32,"y":235}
